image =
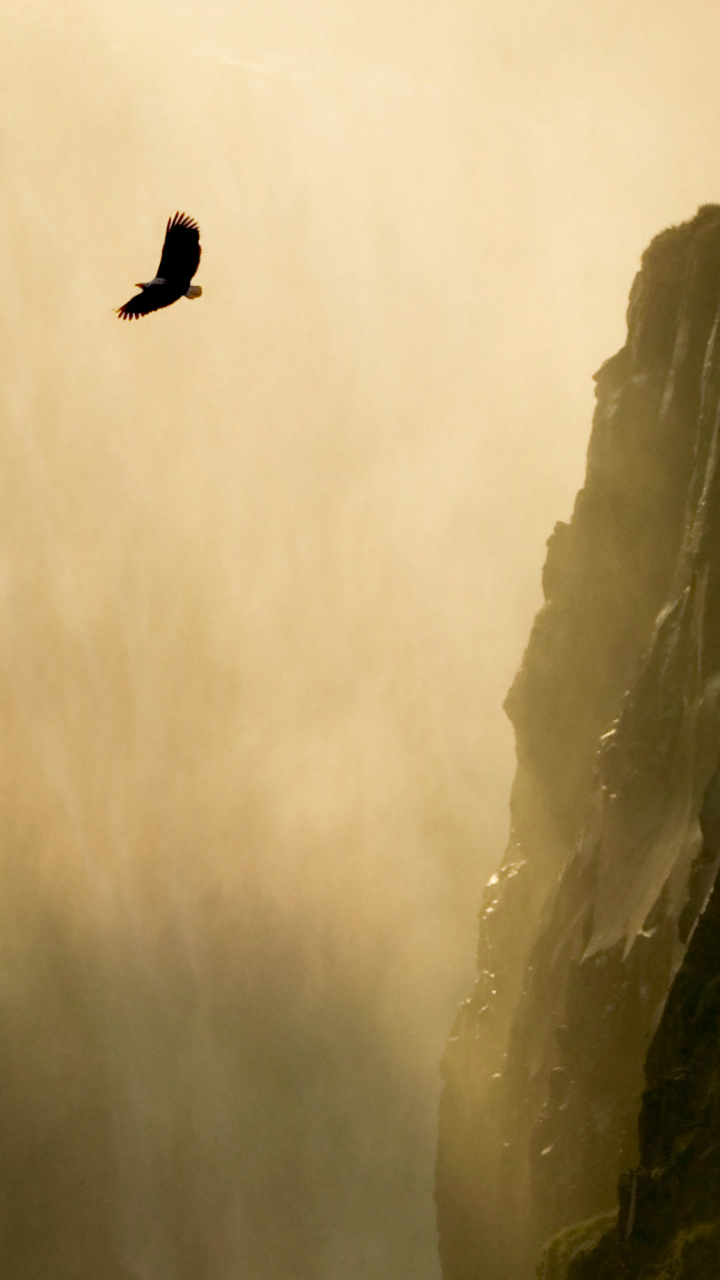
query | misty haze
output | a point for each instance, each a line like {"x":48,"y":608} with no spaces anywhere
{"x":268,"y":564}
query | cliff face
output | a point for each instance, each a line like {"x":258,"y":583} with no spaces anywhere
{"x":597,"y":940}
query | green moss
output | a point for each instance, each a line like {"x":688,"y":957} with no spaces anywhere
{"x":693,"y":1254}
{"x":573,"y":1243}
{"x":591,"y":1251}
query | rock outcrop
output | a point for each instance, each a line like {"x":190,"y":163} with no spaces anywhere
{"x":584,"y":1071}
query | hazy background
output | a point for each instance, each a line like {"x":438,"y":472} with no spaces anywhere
{"x":267,"y":564}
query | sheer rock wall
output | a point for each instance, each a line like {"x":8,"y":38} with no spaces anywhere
{"x":602,"y":899}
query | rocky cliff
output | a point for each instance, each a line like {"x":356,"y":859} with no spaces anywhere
{"x":584,"y":1071}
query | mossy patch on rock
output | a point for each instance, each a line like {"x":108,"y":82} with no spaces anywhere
{"x":573,"y":1244}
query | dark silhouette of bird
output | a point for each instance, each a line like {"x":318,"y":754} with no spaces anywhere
{"x":178,"y":264}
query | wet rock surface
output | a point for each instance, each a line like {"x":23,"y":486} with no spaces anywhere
{"x":583,"y":1071}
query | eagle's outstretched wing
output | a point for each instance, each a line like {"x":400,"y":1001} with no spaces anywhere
{"x":181,"y":250}
{"x":152,"y":298}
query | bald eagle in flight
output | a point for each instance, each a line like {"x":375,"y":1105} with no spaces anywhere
{"x":178,"y":264}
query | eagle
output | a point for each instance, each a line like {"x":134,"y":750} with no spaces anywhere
{"x":178,"y":264}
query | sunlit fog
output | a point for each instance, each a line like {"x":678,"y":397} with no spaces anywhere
{"x":268,"y":561}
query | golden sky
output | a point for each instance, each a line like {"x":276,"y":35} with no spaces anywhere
{"x":268,"y":561}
